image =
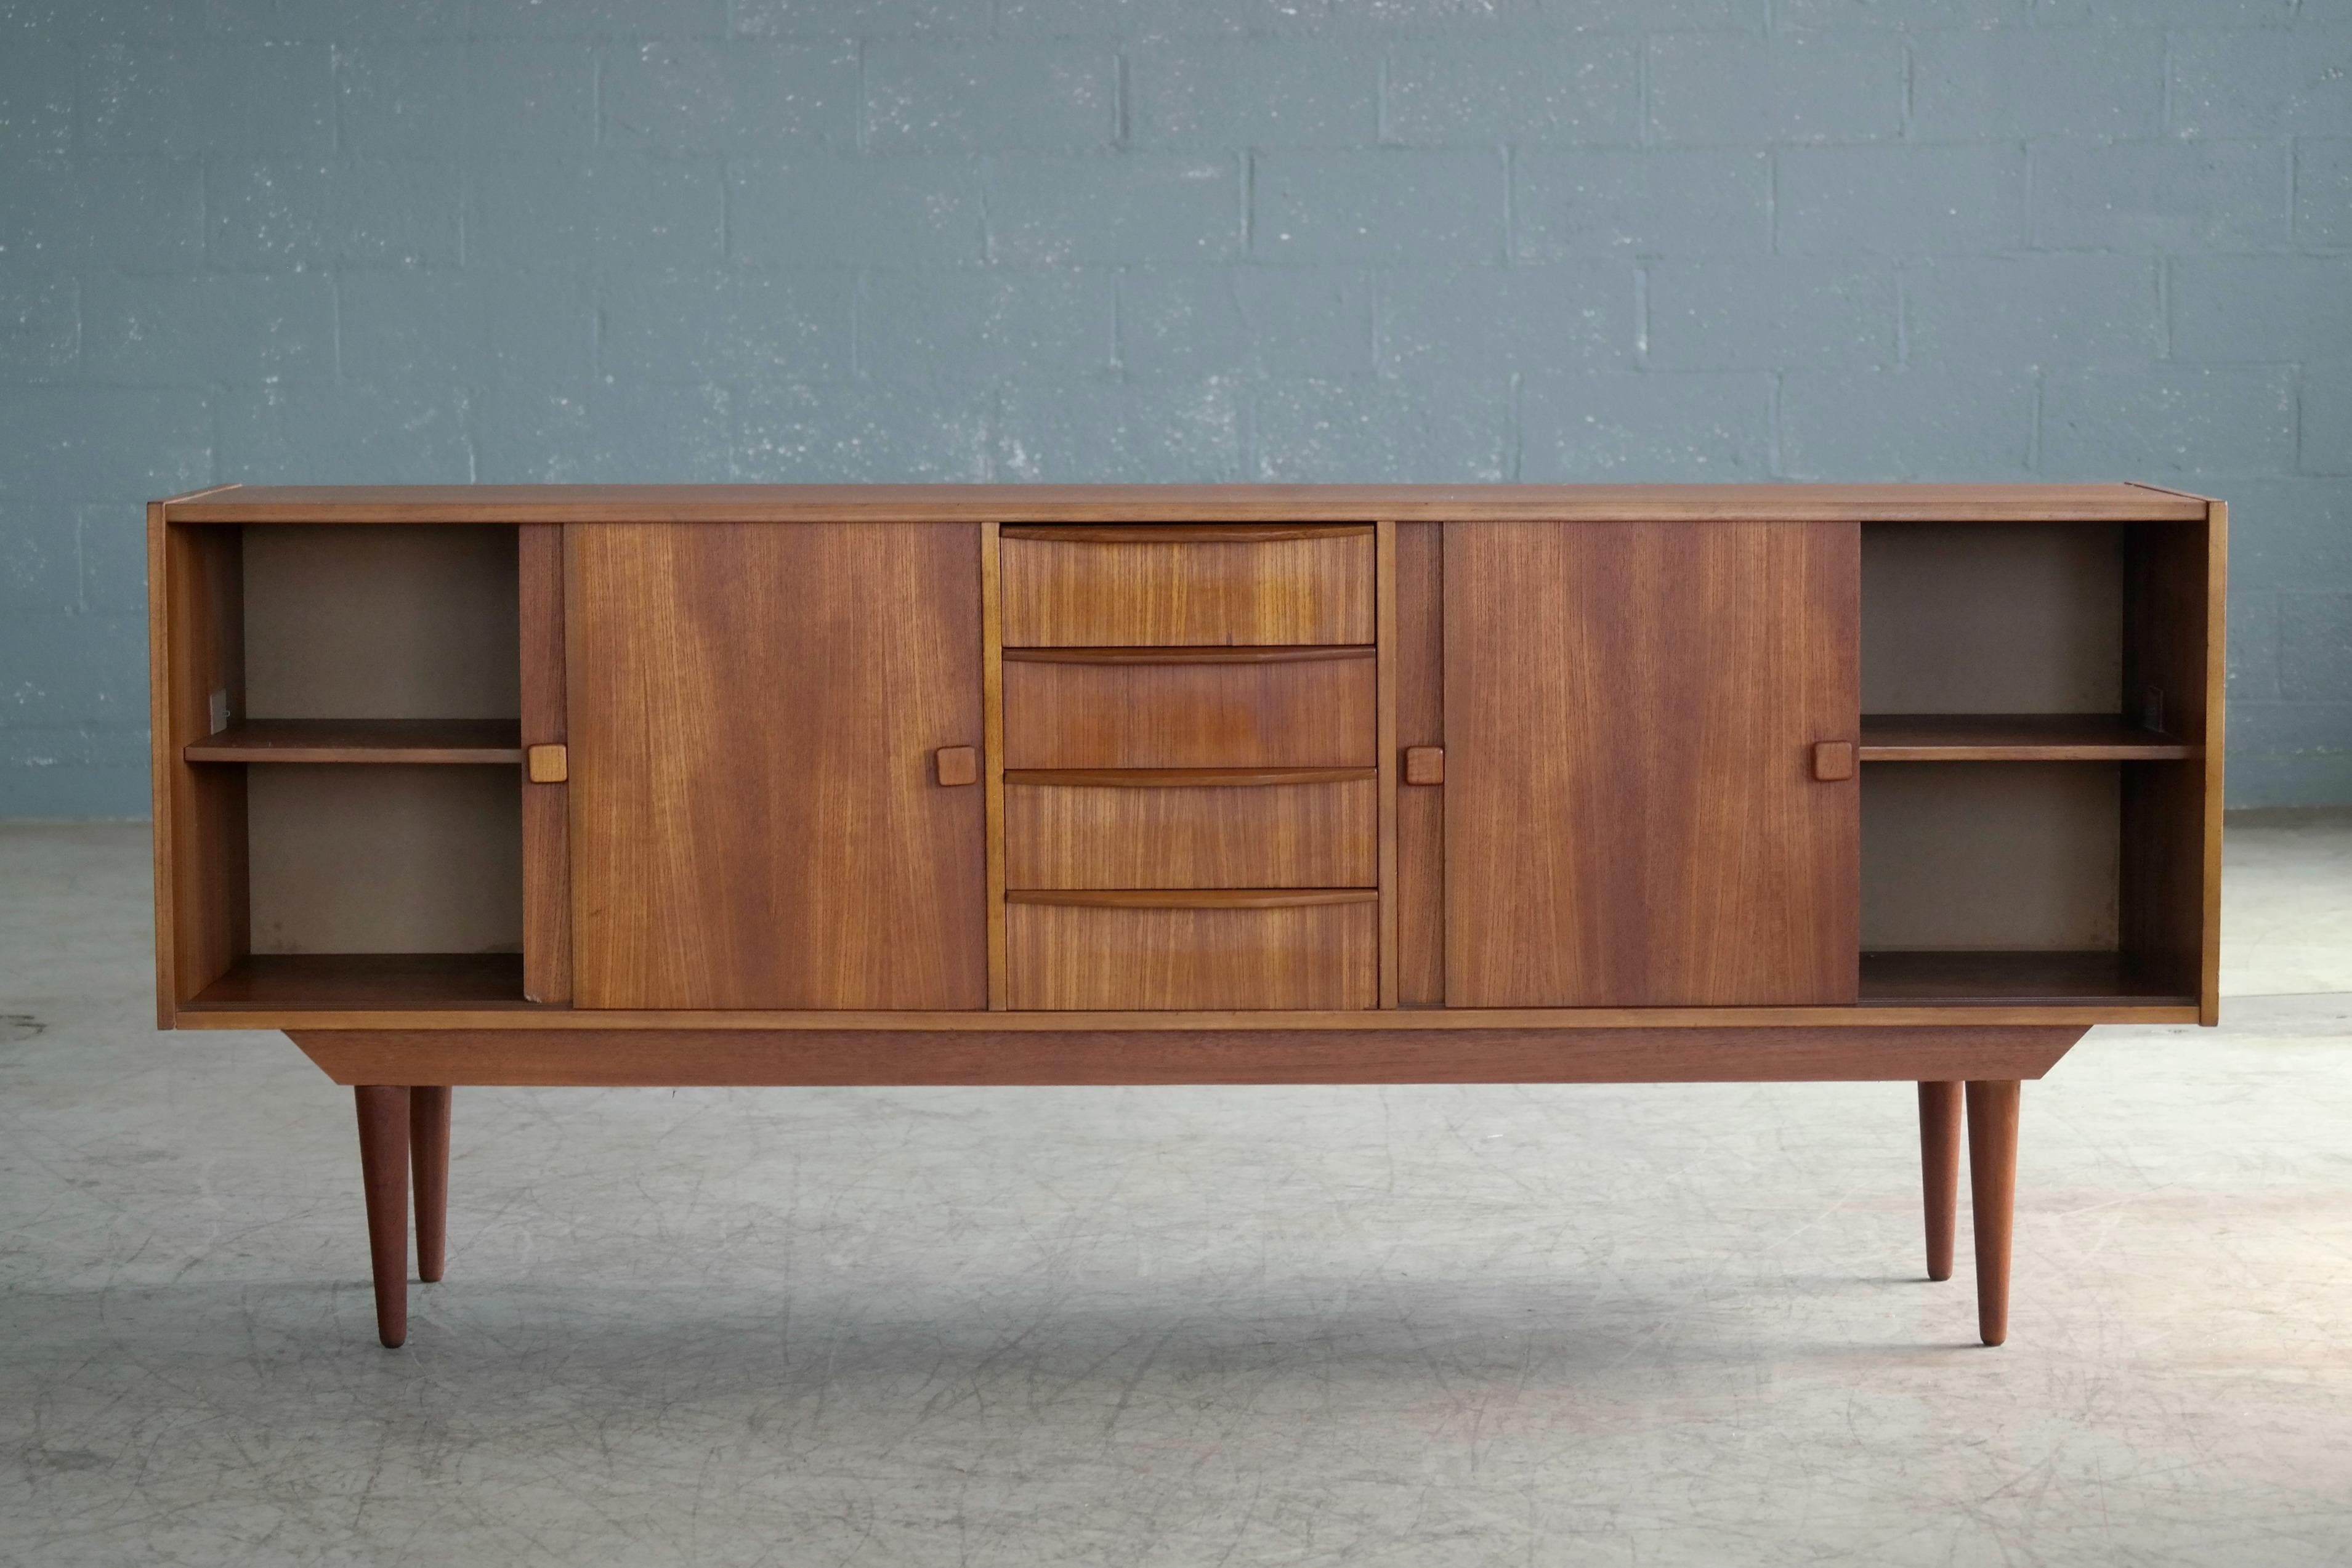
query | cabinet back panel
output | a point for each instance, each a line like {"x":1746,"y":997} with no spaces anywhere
{"x":358,"y":622}
{"x":1992,"y":618}
{"x":1993,"y":856}
{"x":385,"y":860}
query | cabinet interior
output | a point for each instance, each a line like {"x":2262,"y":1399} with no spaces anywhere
{"x":359,"y":736}
{"x":2031,"y":735}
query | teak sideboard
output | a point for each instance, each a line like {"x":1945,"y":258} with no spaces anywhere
{"x":1007,"y":785}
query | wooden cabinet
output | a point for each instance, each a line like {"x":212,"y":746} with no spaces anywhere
{"x":951,"y":786}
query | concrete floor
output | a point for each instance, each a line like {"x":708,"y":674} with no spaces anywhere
{"x":1420,"y":1326}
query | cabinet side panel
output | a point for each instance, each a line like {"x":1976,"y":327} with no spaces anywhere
{"x":755,"y":710}
{"x":546,"y":830}
{"x":196,"y":614}
{"x":1631,"y":815}
{"x":1420,"y":667}
{"x":2170,"y":888}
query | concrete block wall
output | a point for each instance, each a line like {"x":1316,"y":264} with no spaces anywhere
{"x":321,"y":241}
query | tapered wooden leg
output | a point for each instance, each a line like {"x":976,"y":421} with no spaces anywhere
{"x":383,"y":1169}
{"x":1992,"y":1197}
{"x":428,"y":1160}
{"x":1940,"y":1171}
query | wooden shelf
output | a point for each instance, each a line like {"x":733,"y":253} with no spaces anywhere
{"x":2013,"y":738}
{"x":380,"y":741}
{"x":1995,"y":978}
{"x":351,"y":982}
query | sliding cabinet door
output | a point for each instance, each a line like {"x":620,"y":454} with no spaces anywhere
{"x":1633,"y":816}
{"x":758,"y":815}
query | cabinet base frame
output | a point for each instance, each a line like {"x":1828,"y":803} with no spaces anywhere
{"x":669,"y":1059}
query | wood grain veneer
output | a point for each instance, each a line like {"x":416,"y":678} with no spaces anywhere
{"x":425,"y":1013}
{"x":1234,"y":1053}
{"x":1419,"y":726}
{"x":754,"y":713}
{"x":1250,"y":953}
{"x":2172,"y":662}
{"x":991,"y":770}
{"x":1630,"y":715}
{"x":1281,"y":504}
{"x":1317,"y":711}
{"x":546,"y":805}
{"x":1187,"y":586}
{"x":1385,"y":571}
{"x":195,"y":682}
{"x":1181,"y":833}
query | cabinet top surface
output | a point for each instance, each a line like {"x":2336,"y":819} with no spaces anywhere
{"x":1178,"y":503}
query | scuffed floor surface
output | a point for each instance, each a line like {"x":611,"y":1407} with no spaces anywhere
{"x":1420,"y":1326}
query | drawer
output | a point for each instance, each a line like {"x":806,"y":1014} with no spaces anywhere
{"x":1166,"y":951}
{"x":1273,"y":827}
{"x":1199,"y":708}
{"x":1171,"y":584}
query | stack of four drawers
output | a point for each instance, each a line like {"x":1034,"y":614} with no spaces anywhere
{"x":1192,"y":799}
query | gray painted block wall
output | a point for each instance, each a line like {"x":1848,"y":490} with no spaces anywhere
{"x":396,"y":240}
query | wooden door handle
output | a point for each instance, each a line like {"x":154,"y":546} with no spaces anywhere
{"x":957,"y":765}
{"x":1832,"y":761}
{"x":547,"y":764}
{"x":1424,"y":764}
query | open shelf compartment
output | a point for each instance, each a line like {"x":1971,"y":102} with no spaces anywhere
{"x":2052,"y":679}
{"x":298,"y":650}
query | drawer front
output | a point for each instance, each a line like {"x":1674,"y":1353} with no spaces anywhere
{"x":1150,"y":831}
{"x":1102,"y":954}
{"x":1179,"y":586}
{"x":1141,"y":712}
